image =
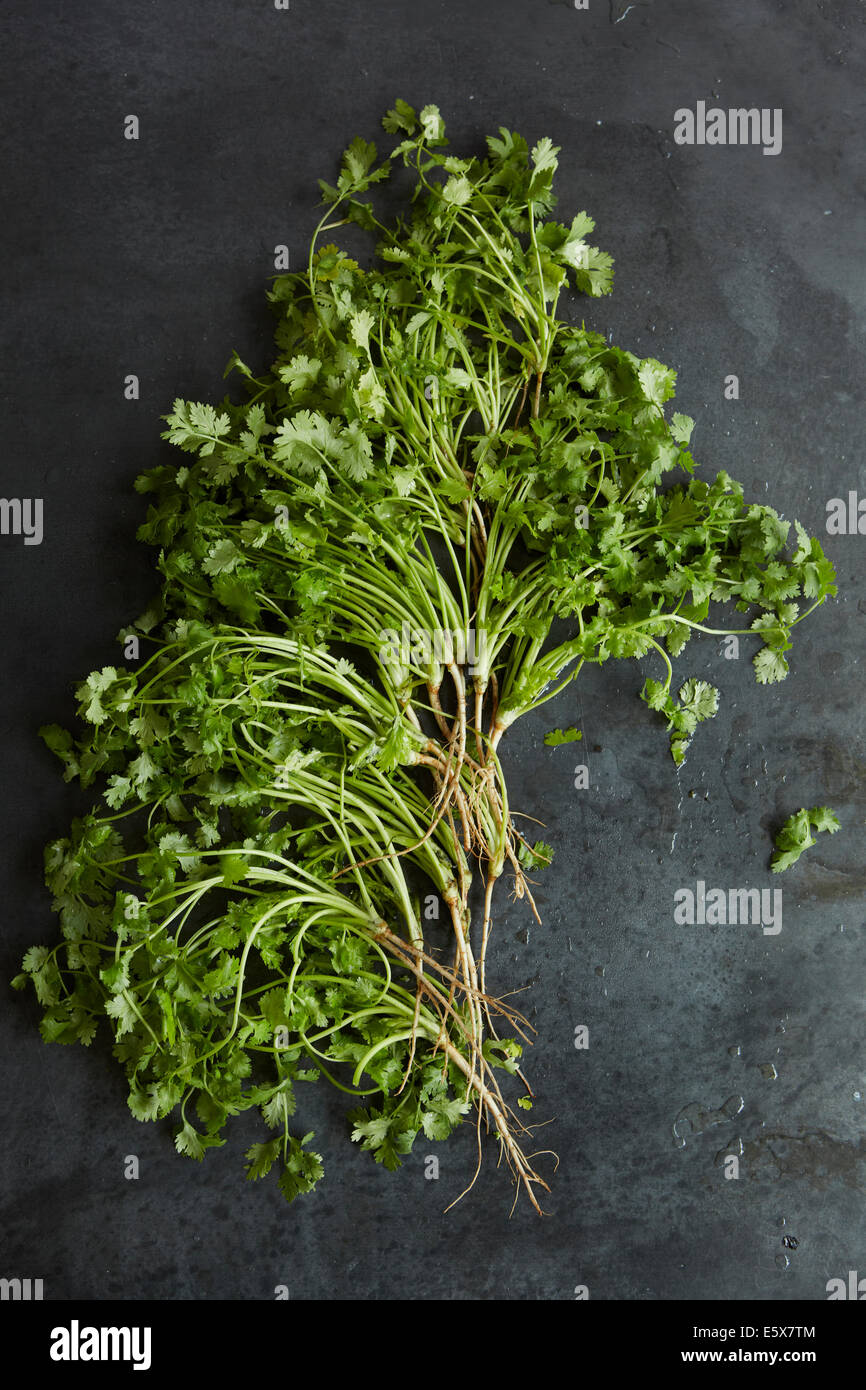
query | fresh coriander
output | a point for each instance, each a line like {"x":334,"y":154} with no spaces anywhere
{"x":796,"y":835}
{"x":299,"y":766}
{"x":556,"y":737}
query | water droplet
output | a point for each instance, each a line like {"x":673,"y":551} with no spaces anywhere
{"x":790,"y":1242}
{"x":783,"y":1262}
{"x":696,"y":1118}
{"x":737,"y":1147}
{"x":735,"y":1051}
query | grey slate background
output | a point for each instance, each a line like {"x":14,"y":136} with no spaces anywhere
{"x":152,"y":257}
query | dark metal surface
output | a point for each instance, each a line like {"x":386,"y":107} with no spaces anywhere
{"x":151,"y":257}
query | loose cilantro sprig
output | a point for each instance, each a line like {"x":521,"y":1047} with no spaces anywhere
{"x":796,"y":835}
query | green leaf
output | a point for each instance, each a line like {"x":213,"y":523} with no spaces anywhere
{"x":222,"y":557}
{"x":234,"y":869}
{"x":121,"y":1010}
{"x":261,"y":1158}
{"x":681,"y":427}
{"x":559,"y":736}
{"x":656,"y":695}
{"x":300,"y":374}
{"x":301,"y":1169}
{"x":770,"y":666}
{"x":432,"y":125}
{"x":195,"y":427}
{"x":188,"y":1140}
{"x":359,"y":159}
{"x":35,"y":959}
{"x":118,"y":791}
{"x":699,"y":698}
{"x":539,"y":856}
{"x":401,"y":117}
{"x":657,"y":381}
{"x":280,"y":1108}
{"x":457,"y":190}
{"x":115,"y":977}
{"x":796,"y":836}
{"x":823,"y":818}
{"x":371,"y":395}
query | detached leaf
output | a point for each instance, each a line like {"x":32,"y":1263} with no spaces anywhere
{"x":560,"y":736}
{"x":796,"y":836}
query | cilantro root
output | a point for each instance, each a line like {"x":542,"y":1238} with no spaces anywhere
{"x":297,"y":777}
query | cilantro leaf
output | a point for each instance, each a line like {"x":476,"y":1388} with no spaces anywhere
{"x":559,"y":736}
{"x":795,"y":836}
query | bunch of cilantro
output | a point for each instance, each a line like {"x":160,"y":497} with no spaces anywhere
{"x":300,"y":772}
